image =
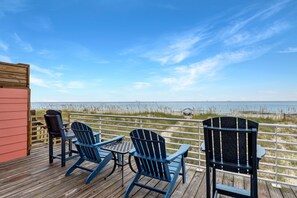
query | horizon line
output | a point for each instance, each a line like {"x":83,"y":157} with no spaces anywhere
{"x":165,"y":101}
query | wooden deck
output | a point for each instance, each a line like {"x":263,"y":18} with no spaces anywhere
{"x":33,"y":176}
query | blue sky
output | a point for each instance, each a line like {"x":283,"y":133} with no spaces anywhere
{"x":153,"y":50}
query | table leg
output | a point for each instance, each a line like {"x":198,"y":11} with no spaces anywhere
{"x":122,"y":170}
{"x":70,"y":147}
{"x":114,"y":166}
{"x":129,"y":161}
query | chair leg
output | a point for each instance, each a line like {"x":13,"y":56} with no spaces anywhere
{"x":99,"y":168}
{"x":183,"y":170}
{"x":254,"y":185}
{"x":171,"y":185}
{"x":74,"y":166}
{"x":63,"y":152}
{"x":214,"y":182}
{"x":207,"y":175}
{"x":129,"y":189}
{"x":50,"y":149}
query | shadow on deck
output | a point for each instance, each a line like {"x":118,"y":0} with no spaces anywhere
{"x":33,"y":176}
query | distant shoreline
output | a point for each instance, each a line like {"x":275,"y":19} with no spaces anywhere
{"x":166,"y":101}
{"x":221,"y":107}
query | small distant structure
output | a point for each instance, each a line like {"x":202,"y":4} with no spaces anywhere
{"x":188,"y":112}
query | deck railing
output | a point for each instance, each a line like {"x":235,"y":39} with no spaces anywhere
{"x":279,"y":165}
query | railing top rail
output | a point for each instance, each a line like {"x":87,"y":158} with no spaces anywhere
{"x":140,"y":117}
{"x":290,"y":126}
{"x":180,"y":119}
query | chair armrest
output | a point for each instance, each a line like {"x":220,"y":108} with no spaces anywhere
{"x":202,"y":147}
{"x":183,"y":150}
{"x":97,"y":136}
{"x":260,"y":152}
{"x":118,"y":138}
{"x":132,"y":151}
{"x":66,"y":128}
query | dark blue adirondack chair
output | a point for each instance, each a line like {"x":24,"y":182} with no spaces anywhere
{"x":89,"y":150}
{"x":152,"y":161}
{"x":231,"y":145}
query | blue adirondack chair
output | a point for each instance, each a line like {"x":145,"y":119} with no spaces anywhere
{"x":152,"y":161}
{"x":89,"y":150}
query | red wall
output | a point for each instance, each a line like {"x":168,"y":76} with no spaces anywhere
{"x":13,"y":123}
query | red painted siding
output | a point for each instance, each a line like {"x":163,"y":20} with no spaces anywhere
{"x":13,"y":155}
{"x":15,"y":131}
{"x":13,"y":123}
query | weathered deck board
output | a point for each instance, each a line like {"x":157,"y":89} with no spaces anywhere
{"x":32,"y":176}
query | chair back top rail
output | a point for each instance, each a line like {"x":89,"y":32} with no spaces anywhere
{"x":54,"y":123}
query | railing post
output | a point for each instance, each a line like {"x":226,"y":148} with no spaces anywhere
{"x":199,"y":169}
{"x":69,"y":114}
{"x":276,"y":184}
{"x":140,"y":122}
{"x":30,"y":136}
{"x":100,"y":128}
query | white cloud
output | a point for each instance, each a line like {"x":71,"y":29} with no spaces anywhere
{"x":51,"y":79}
{"x":141,"y":85}
{"x":176,"y":51}
{"x":289,"y":50}
{"x":12,"y":6}
{"x":44,"y":52}
{"x":74,"y":85}
{"x":102,"y":62}
{"x":3,"y":46}
{"x":230,"y":43}
{"x":243,"y":21}
{"x":41,"y":70}
{"x":251,"y":37}
{"x":58,"y":85}
{"x":246,"y":30}
{"x":24,"y":45}
{"x":186,"y":76}
{"x":5,"y":59}
{"x":38,"y":82}
{"x":274,"y":9}
{"x":65,"y":87}
{"x":45,"y":71}
{"x":267,"y":92}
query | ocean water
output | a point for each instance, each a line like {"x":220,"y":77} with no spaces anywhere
{"x":288,"y":107}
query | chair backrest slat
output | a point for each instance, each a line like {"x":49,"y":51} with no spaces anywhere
{"x":252,"y":145}
{"x":229,"y":142}
{"x":216,"y":140}
{"x":145,"y":151}
{"x":151,"y":147}
{"x":242,"y":144}
{"x":229,"y":149}
{"x":157,"y":155}
{"x":85,"y":137}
